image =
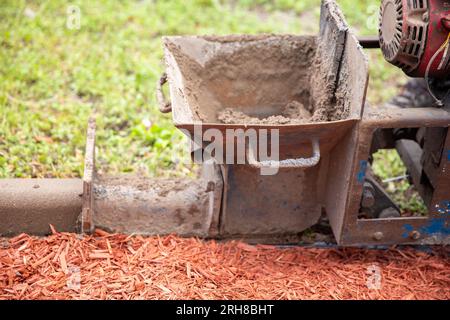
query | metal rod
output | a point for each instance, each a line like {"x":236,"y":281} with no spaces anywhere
{"x":394,"y":179}
{"x":369,"y":42}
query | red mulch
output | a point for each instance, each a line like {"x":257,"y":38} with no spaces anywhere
{"x":111,"y":266}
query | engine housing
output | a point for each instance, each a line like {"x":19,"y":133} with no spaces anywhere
{"x":412,"y":31}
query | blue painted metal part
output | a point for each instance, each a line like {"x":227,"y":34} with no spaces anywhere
{"x":443,"y":207}
{"x":362,"y":171}
{"x":436,"y":226}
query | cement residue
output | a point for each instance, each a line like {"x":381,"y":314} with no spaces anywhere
{"x":252,"y":79}
{"x":162,"y":187}
{"x":293,"y":113}
{"x":249,"y":78}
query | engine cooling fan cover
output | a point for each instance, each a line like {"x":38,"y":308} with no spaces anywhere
{"x":411,"y":32}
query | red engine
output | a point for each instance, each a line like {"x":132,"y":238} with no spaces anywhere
{"x":414,"y":35}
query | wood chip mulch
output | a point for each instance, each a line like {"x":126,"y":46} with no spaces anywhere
{"x":112,"y":266}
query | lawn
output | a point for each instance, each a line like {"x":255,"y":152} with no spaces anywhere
{"x":56,"y":70}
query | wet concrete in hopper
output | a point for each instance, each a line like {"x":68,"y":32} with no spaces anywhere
{"x":262,"y":79}
{"x":293,"y":113}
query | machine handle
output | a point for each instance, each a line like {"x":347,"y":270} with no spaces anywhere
{"x":288,"y":163}
{"x":164,"y":105}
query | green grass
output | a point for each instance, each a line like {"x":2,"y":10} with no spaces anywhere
{"x":387,"y":163}
{"x":52,"y":78}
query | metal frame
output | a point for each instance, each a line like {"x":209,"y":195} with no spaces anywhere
{"x":434,"y":229}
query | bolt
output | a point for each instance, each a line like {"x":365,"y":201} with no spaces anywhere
{"x":378,"y":235}
{"x":425,"y":17}
{"x":210,"y":186}
{"x":415,"y":235}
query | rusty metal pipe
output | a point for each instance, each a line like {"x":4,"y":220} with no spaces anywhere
{"x":31,"y":205}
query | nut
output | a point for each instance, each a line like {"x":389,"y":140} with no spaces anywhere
{"x":378,"y":235}
{"x":415,"y":235}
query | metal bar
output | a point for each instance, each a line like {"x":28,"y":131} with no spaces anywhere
{"x":389,"y":116}
{"x":394,"y":231}
{"x":411,"y":154}
{"x":31,"y":205}
{"x":394,"y":179}
{"x":440,"y":203}
{"x":369,"y":42}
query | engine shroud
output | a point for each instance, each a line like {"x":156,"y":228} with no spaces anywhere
{"x":412,"y":32}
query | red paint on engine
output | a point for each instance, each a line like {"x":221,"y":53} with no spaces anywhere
{"x":438,"y":31}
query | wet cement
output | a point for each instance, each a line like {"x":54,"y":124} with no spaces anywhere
{"x":293,"y":113}
{"x":263,"y":79}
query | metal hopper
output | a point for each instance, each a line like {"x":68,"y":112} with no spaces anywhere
{"x":255,"y":78}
